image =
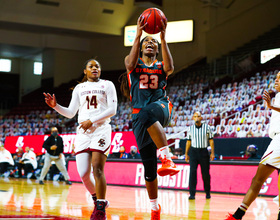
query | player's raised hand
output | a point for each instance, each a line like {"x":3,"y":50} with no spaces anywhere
{"x":50,"y":99}
{"x":267,"y":99}
{"x":163,"y":28}
{"x":140,"y":25}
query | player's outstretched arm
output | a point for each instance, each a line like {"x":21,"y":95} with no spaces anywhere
{"x":166,"y":55}
{"x":69,"y":112}
{"x":131,"y":60}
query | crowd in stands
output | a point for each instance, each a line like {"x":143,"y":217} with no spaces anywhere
{"x":232,"y":110}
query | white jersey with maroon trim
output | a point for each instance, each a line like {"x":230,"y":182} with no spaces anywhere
{"x":94,"y":100}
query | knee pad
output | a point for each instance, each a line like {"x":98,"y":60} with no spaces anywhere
{"x":150,"y":166}
{"x":146,"y":117}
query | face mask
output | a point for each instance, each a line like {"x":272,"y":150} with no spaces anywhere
{"x":54,"y":133}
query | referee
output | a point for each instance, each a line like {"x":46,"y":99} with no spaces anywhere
{"x":196,"y":153}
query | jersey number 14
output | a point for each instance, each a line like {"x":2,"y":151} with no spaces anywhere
{"x":91,"y":101}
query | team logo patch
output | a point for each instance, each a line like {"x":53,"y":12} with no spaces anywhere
{"x":101,"y":142}
{"x":158,"y":65}
{"x":162,"y":105}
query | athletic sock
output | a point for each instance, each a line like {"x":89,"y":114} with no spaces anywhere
{"x":94,"y":198}
{"x":240,"y":212}
{"x":154,"y":204}
{"x":164,"y":152}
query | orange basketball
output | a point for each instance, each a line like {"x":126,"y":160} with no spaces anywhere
{"x":153,"y":17}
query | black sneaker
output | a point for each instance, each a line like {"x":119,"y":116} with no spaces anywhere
{"x":41,"y":182}
{"x":99,"y":214}
{"x":208,"y":196}
{"x":191,"y":197}
{"x":68,"y":182}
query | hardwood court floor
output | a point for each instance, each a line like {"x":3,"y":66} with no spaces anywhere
{"x":22,"y":198}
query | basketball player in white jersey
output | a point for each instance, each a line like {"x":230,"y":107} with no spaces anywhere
{"x":269,"y":161}
{"x":96,"y":100}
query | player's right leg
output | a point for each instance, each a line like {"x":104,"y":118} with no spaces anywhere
{"x":153,"y":117}
{"x":83,"y":161}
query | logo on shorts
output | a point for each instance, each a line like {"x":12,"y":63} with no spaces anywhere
{"x":162,"y":105}
{"x":101,"y":142}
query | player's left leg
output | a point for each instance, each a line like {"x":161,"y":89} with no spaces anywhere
{"x":262,"y":174}
{"x":98,"y":163}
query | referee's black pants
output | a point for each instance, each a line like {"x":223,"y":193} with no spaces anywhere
{"x":199,"y":156}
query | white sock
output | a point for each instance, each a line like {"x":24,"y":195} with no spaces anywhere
{"x":164,"y":151}
{"x":243,"y":207}
{"x":154,"y":204}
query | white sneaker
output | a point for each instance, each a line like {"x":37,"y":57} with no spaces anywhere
{"x":276,"y":199}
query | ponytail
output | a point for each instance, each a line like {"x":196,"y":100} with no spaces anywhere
{"x":124,"y":85}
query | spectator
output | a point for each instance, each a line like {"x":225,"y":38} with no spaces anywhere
{"x":19,"y":154}
{"x":5,"y":160}
{"x":251,"y":152}
{"x":133,"y":154}
{"x":28,"y":163}
{"x":250,"y":133}
{"x":233,"y":132}
{"x":224,"y":133}
{"x":258,"y":132}
{"x":123,"y":154}
{"x":242,"y":132}
{"x":217,"y":133}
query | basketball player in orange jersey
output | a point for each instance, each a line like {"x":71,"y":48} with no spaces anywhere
{"x":96,"y":100}
{"x":269,"y":161}
{"x":147,"y":79}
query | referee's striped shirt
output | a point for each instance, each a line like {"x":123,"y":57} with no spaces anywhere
{"x":199,"y":136}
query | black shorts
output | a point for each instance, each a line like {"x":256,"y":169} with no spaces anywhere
{"x":161,"y":111}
